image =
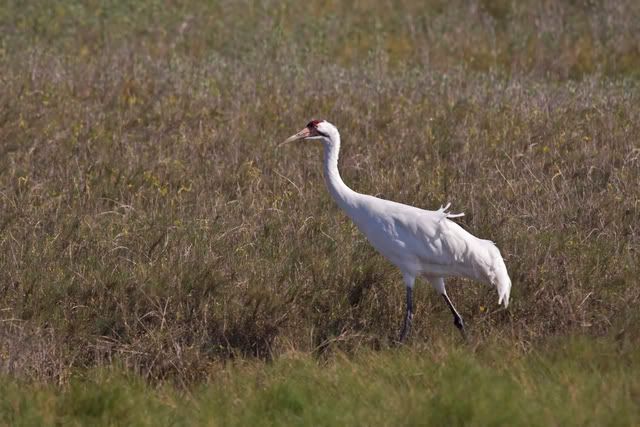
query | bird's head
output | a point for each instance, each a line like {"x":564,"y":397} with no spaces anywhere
{"x":316,"y":130}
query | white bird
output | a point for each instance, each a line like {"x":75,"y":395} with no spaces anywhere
{"x":417,"y":241}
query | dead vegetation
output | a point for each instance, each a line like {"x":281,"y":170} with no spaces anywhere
{"x":148,"y":219}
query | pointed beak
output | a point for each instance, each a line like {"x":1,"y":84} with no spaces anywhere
{"x":304,"y":133}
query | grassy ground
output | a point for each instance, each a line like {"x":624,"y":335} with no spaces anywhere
{"x":579,"y":382}
{"x":148,"y":220}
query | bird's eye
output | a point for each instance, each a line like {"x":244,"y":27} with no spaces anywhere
{"x":313,"y":124}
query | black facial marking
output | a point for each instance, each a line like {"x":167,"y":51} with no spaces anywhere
{"x":322,"y":133}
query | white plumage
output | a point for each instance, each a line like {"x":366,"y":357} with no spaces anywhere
{"x":417,"y":241}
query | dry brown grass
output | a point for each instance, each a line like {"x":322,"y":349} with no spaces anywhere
{"x":147,"y":217}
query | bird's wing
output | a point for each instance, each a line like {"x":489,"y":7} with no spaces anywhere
{"x":432,"y":237}
{"x":428,"y":242}
{"x":407,"y":234}
{"x":443,"y":212}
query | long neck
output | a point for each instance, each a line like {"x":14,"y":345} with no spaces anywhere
{"x":343,"y":195}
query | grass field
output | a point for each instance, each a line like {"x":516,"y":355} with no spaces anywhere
{"x":579,"y":382}
{"x":158,"y":251}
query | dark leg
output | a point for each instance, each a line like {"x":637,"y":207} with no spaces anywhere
{"x":406,"y":327}
{"x":457,"y":319}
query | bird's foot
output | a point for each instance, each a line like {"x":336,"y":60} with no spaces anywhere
{"x":457,"y":320}
{"x":406,"y":327}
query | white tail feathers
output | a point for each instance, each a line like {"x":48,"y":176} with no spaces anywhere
{"x":503,"y":283}
{"x":496,"y":273}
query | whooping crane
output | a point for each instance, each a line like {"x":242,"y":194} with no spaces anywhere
{"x":417,"y":241}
